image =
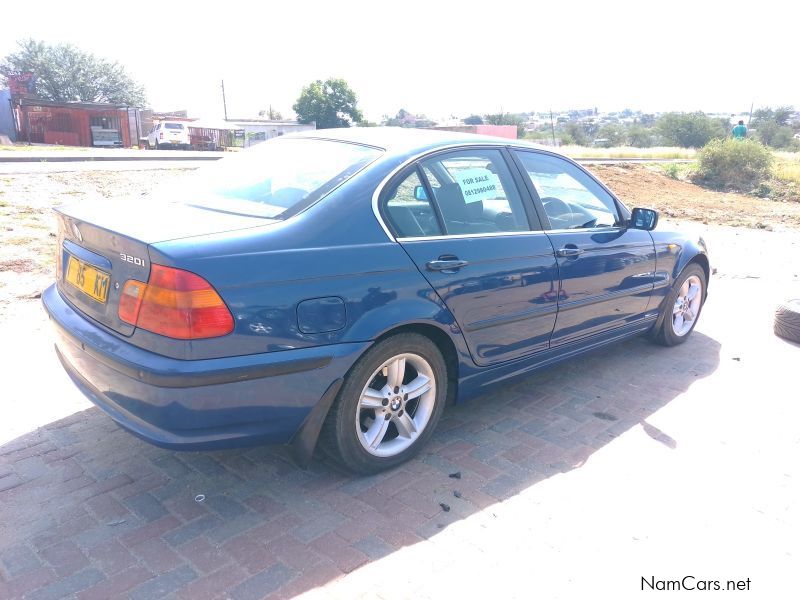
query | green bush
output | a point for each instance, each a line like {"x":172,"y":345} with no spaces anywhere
{"x":672,"y":170}
{"x":733,"y":164}
{"x":690,"y":130}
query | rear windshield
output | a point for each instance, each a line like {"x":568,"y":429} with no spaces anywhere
{"x":173,"y":125}
{"x":278,"y":178}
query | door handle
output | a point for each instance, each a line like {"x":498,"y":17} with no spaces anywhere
{"x":451,"y":264}
{"x":567,"y":252}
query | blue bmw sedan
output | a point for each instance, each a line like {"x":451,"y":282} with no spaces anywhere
{"x":343,"y":286}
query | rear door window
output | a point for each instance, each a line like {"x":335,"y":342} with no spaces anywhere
{"x":177,"y":126}
{"x":475,"y":192}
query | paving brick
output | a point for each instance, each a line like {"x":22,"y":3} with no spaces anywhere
{"x":249,"y":553}
{"x":67,"y":586}
{"x":164,"y":584}
{"x":17,"y":560}
{"x":317,"y":526}
{"x":322,"y":573}
{"x":27,"y":582}
{"x":262,"y":584}
{"x":234,"y":526}
{"x":151,"y":530}
{"x":65,"y":557}
{"x":340,"y":552}
{"x":186,"y":507}
{"x":111,"y":556}
{"x":265,"y":505}
{"x":214,"y":585}
{"x":171,"y":465}
{"x":224,"y":506}
{"x":204,"y":556}
{"x":291,"y":552}
{"x":157,"y":555}
{"x":105,"y":507}
{"x":10,"y":482}
{"x":117,"y":586}
{"x":280,"y":525}
{"x":146,"y":506}
{"x":191,"y":530}
{"x":374,"y":547}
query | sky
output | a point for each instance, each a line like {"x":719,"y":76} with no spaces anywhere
{"x":438,"y":58}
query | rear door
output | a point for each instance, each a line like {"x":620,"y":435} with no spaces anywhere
{"x":606,"y":270}
{"x":460,"y":216}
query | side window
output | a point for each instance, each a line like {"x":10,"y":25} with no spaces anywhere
{"x":571,"y":198}
{"x":409,"y":211}
{"x":475,"y":192}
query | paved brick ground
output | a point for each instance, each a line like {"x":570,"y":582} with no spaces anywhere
{"x":576,"y":482}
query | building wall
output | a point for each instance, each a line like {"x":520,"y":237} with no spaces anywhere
{"x":6,"y":116}
{"x":257,"y":132}
{"x":504,"y":131}
{"x":66,"y":125}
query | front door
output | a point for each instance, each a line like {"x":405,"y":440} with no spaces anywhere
{"x":460,"y":217}
{"x":606,"y":270}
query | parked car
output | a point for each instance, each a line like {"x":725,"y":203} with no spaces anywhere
{"x":169,"y":134}
{"x":347,"y":284}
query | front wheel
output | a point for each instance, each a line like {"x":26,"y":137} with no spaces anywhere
{"x":389,"y":404}
{"x":682,"y":307}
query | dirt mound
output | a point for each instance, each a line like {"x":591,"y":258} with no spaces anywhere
{"x":649,"y":186}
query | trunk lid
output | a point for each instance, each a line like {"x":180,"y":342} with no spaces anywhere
{"x":101,"y":245}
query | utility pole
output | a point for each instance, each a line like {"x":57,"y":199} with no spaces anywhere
{"x":224,"y":104}
{"x":751,"y":113}
{"x":552,"y":127}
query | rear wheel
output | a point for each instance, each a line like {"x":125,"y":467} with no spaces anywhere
{"x":682,"y":307}
{"x":389,"y":404}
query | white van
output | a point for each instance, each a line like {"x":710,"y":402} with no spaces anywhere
{"x":169,"y":134}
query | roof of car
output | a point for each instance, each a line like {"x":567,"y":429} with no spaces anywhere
{"x":403,"y":139}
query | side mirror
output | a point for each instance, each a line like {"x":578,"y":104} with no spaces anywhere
{"x":643,"y":218}
{"x":420,"y":193}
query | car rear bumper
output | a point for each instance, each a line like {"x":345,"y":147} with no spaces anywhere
{"x":195,"y":404}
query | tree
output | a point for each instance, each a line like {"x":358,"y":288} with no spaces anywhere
{"x":65,"y":73}
{"x":329,"y":103}
{"x":507,"y":119}
{"x":613,"y":133}
{"x":640,"y":137}
{"x":272,"y":115}
{"x":779,"y":116}
{"x":473,"y":120}
{"x":690,"y":130}
{"x":774,"y":135}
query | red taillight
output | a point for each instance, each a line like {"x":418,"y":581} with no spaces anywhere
{"x":161,"y":135}
{"x":176,"y":304}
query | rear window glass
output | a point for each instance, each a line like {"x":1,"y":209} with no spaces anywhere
{"x":173,"y":125}
{"x":277,"y":178}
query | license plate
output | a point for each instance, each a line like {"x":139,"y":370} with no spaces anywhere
{"x":87,"y":279}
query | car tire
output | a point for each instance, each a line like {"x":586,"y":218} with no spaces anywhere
{"x":787,"y":320}
{"x":685,"y":300}
{"x":373,"y":426}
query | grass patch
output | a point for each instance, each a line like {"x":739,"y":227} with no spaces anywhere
{"x":786,"y":170}
{"x":662,"y":152}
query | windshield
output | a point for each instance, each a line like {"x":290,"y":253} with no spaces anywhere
{"x":173,"y":125}
{"x":277,"y":178}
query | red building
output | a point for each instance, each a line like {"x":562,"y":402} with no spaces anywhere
{"x":76,"y":123}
